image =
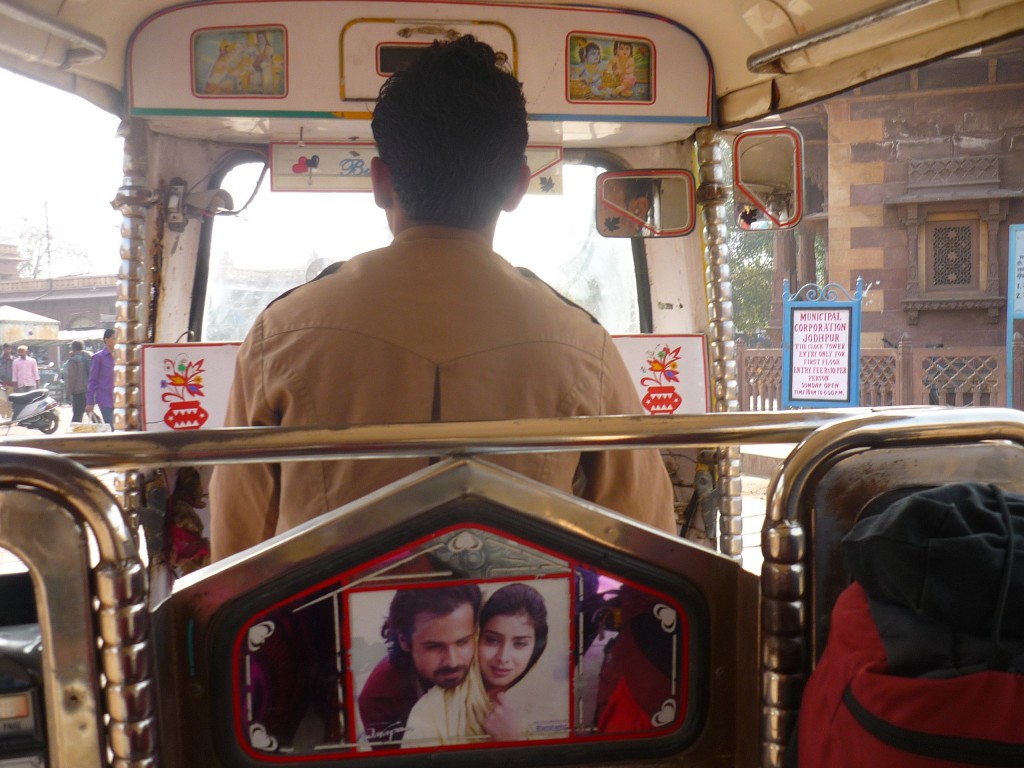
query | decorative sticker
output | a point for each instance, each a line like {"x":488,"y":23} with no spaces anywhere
{"x":186,"y":386}
{"x":462,"y":639}
{"x":336,"y":167}
{"x":240,"y":61}
{"x":609,"y":69}
{"x":345,"y":167}
{"x":670,"y":372}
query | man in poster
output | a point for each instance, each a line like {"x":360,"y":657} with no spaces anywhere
{"x":431,"y":639}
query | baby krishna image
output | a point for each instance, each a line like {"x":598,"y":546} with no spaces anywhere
{"x":608,"y":69}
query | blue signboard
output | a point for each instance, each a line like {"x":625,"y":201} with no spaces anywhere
{"x":1015,"y":300}
{"x":821,"y":346}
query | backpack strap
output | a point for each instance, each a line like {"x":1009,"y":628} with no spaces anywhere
{"x":957,"y":749}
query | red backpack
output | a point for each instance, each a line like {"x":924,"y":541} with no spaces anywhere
{"x":925,"y":650}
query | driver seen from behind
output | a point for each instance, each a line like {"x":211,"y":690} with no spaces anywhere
{"x":434,"y":327}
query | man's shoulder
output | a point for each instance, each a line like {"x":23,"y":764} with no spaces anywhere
{"x":291,"y":293}
{"x":532,"y":277}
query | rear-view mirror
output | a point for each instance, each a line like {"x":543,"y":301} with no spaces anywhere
{"x":649,"y":203}
{"x":768,"y":178}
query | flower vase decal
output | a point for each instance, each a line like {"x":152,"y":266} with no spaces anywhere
{"x":662,"y":369}
{"x":184,"y":381}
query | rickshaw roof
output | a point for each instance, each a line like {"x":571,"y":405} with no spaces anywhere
{"x":756,"y":47}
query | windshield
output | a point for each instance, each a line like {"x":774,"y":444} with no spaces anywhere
{"x":283,"y":239}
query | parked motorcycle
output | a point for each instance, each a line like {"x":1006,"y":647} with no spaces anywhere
{"x":34,"y":409}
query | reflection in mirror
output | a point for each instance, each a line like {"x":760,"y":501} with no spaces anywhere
{"x":467,"y":637}
{"x":655,"y":203}
{"x":768,"y":176}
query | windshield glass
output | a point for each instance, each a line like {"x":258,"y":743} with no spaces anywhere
{"x":283,"y":239}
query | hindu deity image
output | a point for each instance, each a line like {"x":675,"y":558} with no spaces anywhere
{"x":239,"y":62}
{"x":609,"y":69}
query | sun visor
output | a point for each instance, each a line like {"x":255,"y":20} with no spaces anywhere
{"x":311,"y":71}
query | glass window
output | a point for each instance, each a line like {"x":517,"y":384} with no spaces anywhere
{"x":283,"y":239}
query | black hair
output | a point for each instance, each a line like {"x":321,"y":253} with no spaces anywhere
{"x":108,"y":333}
{"x":585,"y":49}
{"x":407,"y":603}
{"x":513,"y":600}
{"x":451,"y":129}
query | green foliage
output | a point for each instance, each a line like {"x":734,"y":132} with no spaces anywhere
{"x":750,"y":262}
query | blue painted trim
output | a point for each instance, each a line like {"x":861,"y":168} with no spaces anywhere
{"x":683,"y":119}
{"x":1013,"y":312}
{"x":169,"y":112}
{"x":190,"y":631}
{"x":340,"y":115}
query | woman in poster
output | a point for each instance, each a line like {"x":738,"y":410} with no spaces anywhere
{"x":513,"y":634}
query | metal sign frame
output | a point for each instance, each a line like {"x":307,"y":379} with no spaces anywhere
{"x":819,"y":327}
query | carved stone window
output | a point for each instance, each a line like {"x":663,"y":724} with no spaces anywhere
{"x":952,"y":262}
{"x":953,"y":209}
{"x":953,"y":255}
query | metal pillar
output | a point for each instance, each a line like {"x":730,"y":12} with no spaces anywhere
{"x":133,"y":200}
{"x":712,"y":194}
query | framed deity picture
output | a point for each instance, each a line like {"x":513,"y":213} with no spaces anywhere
{"x":603,"y":68}
{"x":230,"y":62}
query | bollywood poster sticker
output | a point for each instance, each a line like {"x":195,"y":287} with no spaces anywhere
{"x":609,"y":69}
{"x":240,"y":61}
{"x":409,"y":694}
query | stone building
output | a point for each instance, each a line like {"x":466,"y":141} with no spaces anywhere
{"x":913,"y":182}
{"x":85,"y":301}
{"x":79,"y":302}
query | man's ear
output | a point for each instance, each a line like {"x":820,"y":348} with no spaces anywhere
{"x":516,"y":195}
{"x":380,"y":178}
{"x":403,"y":641}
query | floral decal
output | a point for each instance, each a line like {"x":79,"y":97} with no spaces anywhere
{"x":663,"y":365}
{"x":662,"y":374}
{"x":184,"y":377}
{"x":184,"y":381}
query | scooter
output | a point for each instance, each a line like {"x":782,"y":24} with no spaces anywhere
{"x":34,"y":409}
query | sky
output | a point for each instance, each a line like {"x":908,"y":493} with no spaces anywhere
{"x":60,"y":165}
{"x":59,"y":159}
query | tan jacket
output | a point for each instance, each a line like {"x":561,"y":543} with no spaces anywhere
{"x":435,"y":327}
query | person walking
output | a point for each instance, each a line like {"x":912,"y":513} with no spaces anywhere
{"x":25,"y":370}
{"x":7,"y":380}
{"x":7,"y":368}
{"x":76,"y":378}
{"x":100,"y":391}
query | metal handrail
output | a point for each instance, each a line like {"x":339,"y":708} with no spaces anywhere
{"x":119,"y":589}
{"x":91,"y":48}
{"x":785,"y":574}
{"x":764,"y":61}
{"x":136,"y":450}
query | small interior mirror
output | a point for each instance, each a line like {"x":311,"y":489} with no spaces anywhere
{"x":768,"y":178}
{"x":650,"y":203}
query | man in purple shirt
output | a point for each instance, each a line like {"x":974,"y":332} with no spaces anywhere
{"x":101,"y":380}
